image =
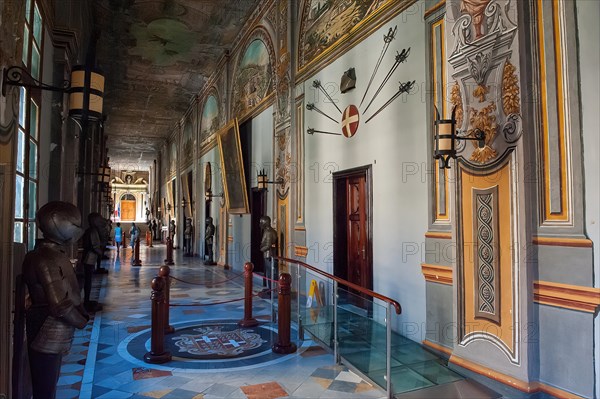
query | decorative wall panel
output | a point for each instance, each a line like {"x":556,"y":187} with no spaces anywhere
{"x":555,"y":113}
{"x":487,"y":261}
{"x":438,"y":81}
{"x":486,"y":255}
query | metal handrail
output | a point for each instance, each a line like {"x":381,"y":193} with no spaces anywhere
{"x":358,"y":288}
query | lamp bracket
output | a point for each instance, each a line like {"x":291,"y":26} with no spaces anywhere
{"x":19,"y":76}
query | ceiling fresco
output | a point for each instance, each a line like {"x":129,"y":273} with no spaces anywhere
{"x":157,"y":55}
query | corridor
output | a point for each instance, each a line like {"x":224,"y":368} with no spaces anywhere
{"x":106,"y":358}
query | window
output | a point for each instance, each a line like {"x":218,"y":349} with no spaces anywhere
{"x":27,"y":168}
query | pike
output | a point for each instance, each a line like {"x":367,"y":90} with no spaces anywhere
{"x":313,"y":131}
{"x":312,"y":107}
{"x":404,"y":88}
{"x":386,"y":40}
{"x":317,"y":84}
{"x":400,"y":58}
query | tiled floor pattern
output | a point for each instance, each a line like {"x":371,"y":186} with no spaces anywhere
{"x":125,"y":292}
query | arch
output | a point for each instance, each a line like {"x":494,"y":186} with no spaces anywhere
{"x":251,"y":88}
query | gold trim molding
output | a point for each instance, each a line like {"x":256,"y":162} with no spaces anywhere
{"x":584,"y":299}
{"x":439,"y":234}
{"x":527,"y":387}
{"x":440,"y":348}
{"x":563,"y":242}
{"x":437,"y":274}
{"x":433,"y":9}
{"x":300,"y":251}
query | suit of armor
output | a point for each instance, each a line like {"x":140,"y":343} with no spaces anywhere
{"x":56,"y":308}
{"x":268,"y":245}
{"x":93,"y":246}
{"x":209,"y":234}
{"x":188,"y":236}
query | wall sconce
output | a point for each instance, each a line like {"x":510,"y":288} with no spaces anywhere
{"x":208,"y":195}
{"x":86,"y":89}
{"x":445,"y":136}
{"x":262,"y":180}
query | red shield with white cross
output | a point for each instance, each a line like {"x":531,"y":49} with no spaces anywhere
{"x":350,"y":121}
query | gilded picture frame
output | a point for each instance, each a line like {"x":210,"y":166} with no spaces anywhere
{"x":232,"y":168}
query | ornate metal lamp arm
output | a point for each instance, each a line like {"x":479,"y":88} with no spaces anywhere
{"x":19,"y":76}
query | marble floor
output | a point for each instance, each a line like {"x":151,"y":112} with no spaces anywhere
{"x":106,"y":359}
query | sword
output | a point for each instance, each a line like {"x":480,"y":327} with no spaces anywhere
{"x":386,"y":43}
{"x":313,"y":131}
{"x":312,"y":107}
{"x":404,"y":88}
{"x":317,"y":84}
{"x":400,"y":58}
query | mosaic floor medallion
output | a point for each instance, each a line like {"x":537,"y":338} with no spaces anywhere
{"x":220,"y":341}
{"x":210,"y":345}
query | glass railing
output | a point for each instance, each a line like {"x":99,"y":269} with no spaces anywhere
{"x":356,"y":325}
{"x":354,"y":322}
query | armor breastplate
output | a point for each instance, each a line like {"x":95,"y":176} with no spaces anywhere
{"x":55,"y":297}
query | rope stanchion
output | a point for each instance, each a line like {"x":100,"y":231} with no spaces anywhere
{"x":148,"y":239}
{"x":284,"y":319}
{"x":157,"y":354}
{"x":124,"y":240}
{"x":136,"y":253}
{"x":169,"y":259}
{"x":248,"y":320}
{"x":265,"y":278}
{"x":165,"y":272}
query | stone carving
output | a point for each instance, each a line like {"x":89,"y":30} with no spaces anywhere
{"x":510,"y":90}
{"x":456,"y":100}
{"x":485,"y":253}
{"x":513,"y":128}
{"x":484,"y":120}
{"x":479,"y":66}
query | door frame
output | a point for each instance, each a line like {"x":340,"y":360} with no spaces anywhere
{"x":340,"y":246}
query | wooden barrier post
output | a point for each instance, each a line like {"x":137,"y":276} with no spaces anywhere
{"x":165,"y":272}
{"x":284,"y":344}
{"x":248,"y":320}
{"x":123,"y":239}
{"x":148,"y":239}
{"x":157,"y":354}
{"x":136,"y":253}
{"x":169,"y":259}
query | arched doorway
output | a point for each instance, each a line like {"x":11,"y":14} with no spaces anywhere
{"x":128,"y":207}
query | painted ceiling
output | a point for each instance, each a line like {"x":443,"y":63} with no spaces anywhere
{"x":156,"y":55}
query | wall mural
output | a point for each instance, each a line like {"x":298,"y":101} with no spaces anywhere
{"x":324,"y":22}
{"x":209,"y":122}
{"x":173,"y":158}
{"x":187,"y":140}
{"x":163,"y":41}
{"x":253,"y":77}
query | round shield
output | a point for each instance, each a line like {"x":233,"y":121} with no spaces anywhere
{"x":350,"y":119}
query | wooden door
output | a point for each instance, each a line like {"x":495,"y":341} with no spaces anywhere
{"x":356,"y":232}
{"x":353,"y":248}
{"x":127,"y":210}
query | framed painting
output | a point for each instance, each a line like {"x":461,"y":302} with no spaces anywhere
{"x":232,"y":169}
